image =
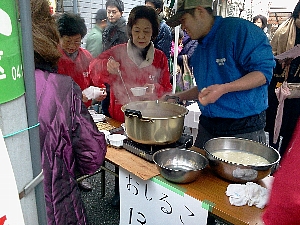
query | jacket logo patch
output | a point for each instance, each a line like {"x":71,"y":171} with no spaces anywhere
{"x":221,"y":62}
{"x":151,"y":77}
{"x":85,"y":74}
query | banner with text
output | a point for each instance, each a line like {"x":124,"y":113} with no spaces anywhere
{"x":10,"y":207}
{"x":11,"y":72}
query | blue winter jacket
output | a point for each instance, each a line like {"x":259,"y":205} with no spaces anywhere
{"x":233,"y":48}
{"x":163,"y":41}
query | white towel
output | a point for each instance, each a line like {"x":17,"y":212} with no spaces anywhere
{"x":247,"y":194}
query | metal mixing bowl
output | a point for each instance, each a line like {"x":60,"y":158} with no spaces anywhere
{"x":237,"y":172}
{"x":179,"y":165}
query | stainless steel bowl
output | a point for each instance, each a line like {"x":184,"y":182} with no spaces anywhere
{"x":179,"y":165}
{"x":237,"y":172}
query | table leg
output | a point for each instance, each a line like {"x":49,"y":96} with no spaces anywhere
{"x":103,"y":181}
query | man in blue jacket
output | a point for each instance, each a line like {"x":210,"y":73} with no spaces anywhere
{"x":233,"y":66}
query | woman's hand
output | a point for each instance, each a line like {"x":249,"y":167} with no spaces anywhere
{"x":84,"y":98}
{"x":150,"y":88}
{"x":102,"y":96}
{"x":113,"y":66}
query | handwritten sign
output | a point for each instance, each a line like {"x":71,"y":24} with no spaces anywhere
{"x":148,"y":202}
{"x":10,"y":208}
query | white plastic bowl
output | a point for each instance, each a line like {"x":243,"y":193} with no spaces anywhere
{"x":106,"y":133}
{"x":138,"y":91}
{"x":116,"y":139}
{"x":98,"y":117}
{"x":92,"y":111}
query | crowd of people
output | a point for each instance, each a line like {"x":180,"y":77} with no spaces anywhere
{"x":235,"y":87}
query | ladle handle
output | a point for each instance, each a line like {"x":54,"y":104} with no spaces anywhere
{"x":120,"y":74}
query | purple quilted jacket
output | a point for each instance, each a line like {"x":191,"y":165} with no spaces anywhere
{"x":69,"y":140}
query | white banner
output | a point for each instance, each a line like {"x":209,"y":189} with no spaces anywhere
{"x":10,"y":208}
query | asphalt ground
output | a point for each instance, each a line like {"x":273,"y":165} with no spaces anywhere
{"x":99,"y":209}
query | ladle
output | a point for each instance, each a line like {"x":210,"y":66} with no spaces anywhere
{"x":120,"y":74}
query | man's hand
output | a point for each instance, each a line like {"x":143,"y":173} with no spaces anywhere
{"x":210,"y":94}
{"x":169,"y":97}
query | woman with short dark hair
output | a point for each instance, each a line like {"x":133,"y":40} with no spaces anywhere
{"x":74,"y":60}
{"x":261,"y":21}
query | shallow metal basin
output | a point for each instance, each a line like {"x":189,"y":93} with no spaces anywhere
{"x":179,"y":165}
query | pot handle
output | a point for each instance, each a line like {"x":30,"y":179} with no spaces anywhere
{"x":176,"y":98}
{"x":133,"y":113}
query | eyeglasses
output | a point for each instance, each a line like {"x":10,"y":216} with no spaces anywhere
{"x":76,"y":43}
{"x":68,"y":41}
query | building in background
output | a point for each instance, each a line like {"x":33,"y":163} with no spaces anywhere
{"x":88,"y":9}
{"x":276,"y":11}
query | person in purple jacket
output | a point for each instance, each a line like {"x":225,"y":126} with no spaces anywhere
{"x":69,"y":138}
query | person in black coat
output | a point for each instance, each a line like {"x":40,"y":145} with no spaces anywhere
{"x":188,"y":49}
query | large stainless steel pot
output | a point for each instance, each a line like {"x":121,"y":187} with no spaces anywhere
{"x":154,"y":122}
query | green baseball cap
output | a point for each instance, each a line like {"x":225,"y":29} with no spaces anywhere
{"x":182,"y":6}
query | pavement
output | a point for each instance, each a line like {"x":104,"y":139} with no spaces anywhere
{"x":99,"y":210}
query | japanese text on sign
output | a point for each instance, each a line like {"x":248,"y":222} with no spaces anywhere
{"x":147,"y":202}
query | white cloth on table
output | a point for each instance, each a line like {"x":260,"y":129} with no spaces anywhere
{"x":247,"y":194}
